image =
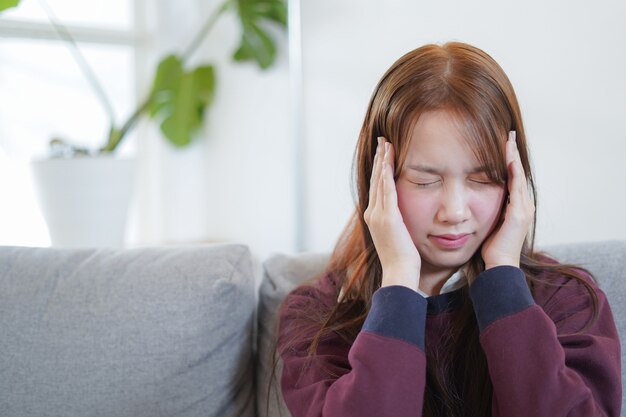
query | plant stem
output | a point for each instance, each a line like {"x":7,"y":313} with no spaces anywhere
{"x":80,"y":60}
{"x":208,"y":25}
{"x":116,"y":136}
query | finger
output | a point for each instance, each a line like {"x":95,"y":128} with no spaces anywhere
{"x":391,"y":157}
{"x":518,"y":185}
{"x":381,"y":171}
{"x":515,"y":155}
{"x":373,"y":183}
{"x":375,"y":178}
{"x":390,"y":195}
{"x":511,"y":147}
{"x":513,"y":182}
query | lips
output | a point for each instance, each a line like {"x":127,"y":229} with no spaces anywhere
{"x":449,"y":241}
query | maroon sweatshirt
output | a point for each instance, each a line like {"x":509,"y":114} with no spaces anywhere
{"x":539,"y":363}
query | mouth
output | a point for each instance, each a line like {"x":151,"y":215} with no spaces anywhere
{"x":449,"y":241}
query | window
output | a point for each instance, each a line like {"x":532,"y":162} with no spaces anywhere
{"x":45,"y":94}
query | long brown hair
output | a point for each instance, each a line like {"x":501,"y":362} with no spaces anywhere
{"x":468,"y":83}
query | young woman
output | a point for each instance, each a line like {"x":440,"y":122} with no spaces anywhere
{"x":434,"y":302}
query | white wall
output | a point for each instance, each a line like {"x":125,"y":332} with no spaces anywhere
{"x":566,"y":60}
{"x":237,"y":183}
{"x":234,"y":184}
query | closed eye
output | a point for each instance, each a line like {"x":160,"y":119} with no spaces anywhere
{"x":424,"y":184}
{"x":486,"y":181}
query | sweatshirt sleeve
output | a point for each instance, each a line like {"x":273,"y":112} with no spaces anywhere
{"x":543,"y":361}
{"x":383,"y":372}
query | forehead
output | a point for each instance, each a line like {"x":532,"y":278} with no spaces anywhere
{"x":437,"y":141}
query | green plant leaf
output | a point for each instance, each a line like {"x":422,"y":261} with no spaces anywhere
{"x":182,"y":118}
{"x":255,"y":10}
{"x":256,"y":44}
{"x":204,"y":83}
{"x":7,"y":4}
{"x":166,"y":80}
{"x":186,"y":102}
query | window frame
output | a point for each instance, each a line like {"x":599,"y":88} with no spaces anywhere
{"x":135,"y":38}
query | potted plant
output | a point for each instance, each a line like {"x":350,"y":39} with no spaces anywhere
{"x":85,"y":193}
{"x":7,"y":4}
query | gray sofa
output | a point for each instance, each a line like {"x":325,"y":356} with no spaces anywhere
{"x":167,"y":331}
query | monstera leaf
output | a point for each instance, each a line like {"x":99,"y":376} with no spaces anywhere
{"x":7,"y":4}
{"x":180,"y":97}
{"x":256,"y":44}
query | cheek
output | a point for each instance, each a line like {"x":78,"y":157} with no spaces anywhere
{"x":417,"y":209}
{"x":487,"y":207}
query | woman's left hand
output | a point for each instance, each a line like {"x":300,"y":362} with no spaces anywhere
{"x":504,"y":245}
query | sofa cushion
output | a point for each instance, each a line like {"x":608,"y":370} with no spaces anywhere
{"x":142,"y":332}
{"x":282,"y":273}
{"x":607,"y":262}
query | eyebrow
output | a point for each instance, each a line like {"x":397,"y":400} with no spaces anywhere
{"x":432,"y":170}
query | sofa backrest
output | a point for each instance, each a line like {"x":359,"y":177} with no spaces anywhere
{"x":167,"y":331}
{"x":282,"y":273}
{"x":141,"y":332}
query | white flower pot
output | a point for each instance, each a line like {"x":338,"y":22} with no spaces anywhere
{"x":85,"y":199}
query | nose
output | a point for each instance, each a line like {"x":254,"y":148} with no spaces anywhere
{"x":454,"y":205}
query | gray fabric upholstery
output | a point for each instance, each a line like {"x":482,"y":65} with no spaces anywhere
{"x":142,"y":332}
{"x":607,"y":262}
{"x":282,"y":273}
{"x":166,"y":331}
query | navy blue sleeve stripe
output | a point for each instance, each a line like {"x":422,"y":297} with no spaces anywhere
{"x":499,"y":292}
{"x":398,"y":312}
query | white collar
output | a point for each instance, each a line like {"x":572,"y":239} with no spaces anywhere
{"x":456,"y":281}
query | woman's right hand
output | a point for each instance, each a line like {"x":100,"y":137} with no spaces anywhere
{"x":398,"y":255}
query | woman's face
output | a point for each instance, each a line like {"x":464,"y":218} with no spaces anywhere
{"x":447,"y":201}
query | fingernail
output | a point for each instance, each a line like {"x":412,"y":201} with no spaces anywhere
{"x":380,"y":140}
{"x":513,"y":136}
{"x":387,"y":147}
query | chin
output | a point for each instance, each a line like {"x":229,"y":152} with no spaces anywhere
{"x":438,"y":258}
